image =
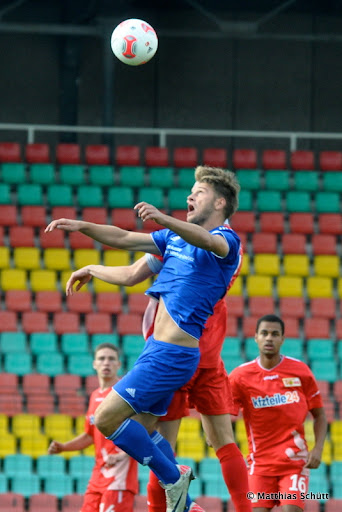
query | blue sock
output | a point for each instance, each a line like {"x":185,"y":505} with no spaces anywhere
{"x":167,"y":450}
{"x":133,"y":439}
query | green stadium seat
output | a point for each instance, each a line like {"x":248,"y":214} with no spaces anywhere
{"x":59,"y":485}
{"x":26,"y":484}
{"x":332,"y":181}
{"x":43,"y":342}
{"x":245,"y":200}
{"x":325,"y":370}
{"x":80,"y":364}
{"x":249,"y":179}
{"x":339,"y":350}
{"x":4,"y":484}
{"x":60,"y":195}
{"x":81,"y":484}
{"x":232,"y":362}
{"x":50,"y":465}
{"x":293,"y":347}
{"x":120,"y":197}
{"x":17,"y":464}
{"x":29,"y":194}
{"x":251,"y":349}
{"x":327,"y":202}
{"x":101,"y":175}
{"x":12,"y":342}
{"x":43,"y":174}
{"x":75,"y":343}
{"x":96,"y":339}
{"x":132,"y":344}
{"x":336,"y":471}
{"x":217,"y":488}
{"x":209,"y":469}
{"x":132,"y":176}
{"x":130,"y":360}
{"x":152,"y":195}
{"x":13,"y":173}
{"x":186,"y":178}
{"x":18,"y":363}
{"x":306,"y":180}
{"x":298,"y":201}
{"x":71,"y":174}
{"x":89,"y":196}
{"x":5,"y":193}
{"x":81,"y":465}
{"x":162,"y":177}
{"x":177,"y":198}
{"x":50,"y":363}
{"x":320,"y":349}
{"x":231,"y":348}
{"x":277,"y":180}
{"x":269,"y":201}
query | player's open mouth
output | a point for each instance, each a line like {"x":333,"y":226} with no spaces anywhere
{"x":190,"y":208}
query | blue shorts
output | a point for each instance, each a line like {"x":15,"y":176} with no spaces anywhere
{"x":159,"y":371}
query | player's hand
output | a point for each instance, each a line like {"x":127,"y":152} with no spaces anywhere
{"x":114,"y":458}
{"x":148,"y":211}
{"x":65,"y":225}
{"x":55,"y":447}
{"x":82,"y":276}
{"x":314,"y":459}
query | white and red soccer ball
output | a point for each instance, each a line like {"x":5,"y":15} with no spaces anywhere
{"x":134,"y":42}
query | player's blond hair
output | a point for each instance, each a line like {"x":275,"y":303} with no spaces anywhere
{"x":223,"y":182}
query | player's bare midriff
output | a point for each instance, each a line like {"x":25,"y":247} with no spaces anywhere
{"x":166,"y":329}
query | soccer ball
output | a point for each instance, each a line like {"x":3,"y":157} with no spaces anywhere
{"x":134,"y":42}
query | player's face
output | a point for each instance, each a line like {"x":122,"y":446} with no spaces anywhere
{"x":106,"y":363}
{"x":201,"y":203}
{"x":269,"y":338}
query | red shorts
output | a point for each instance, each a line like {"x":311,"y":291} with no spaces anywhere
{"x":108,"y":501}
{"x":279,"y":490}
{"x":208,"y":391}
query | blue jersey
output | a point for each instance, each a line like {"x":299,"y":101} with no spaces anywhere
{"x":192,"y":280}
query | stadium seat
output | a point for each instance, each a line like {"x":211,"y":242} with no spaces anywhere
{"x":290,"y":286}
{"x":293,"y":244}
{"x":153,"y":195}
{"x":137,"y":302}
{"x":98,"y":323}
{"x":49,"y":301}
{"x":58,"y":485}
{"x":129,"y":323}
{"x":120,"y":197}
{"x":162,"y":177}
{"x":269,"y":201}
{"x":330,"y":160}
{"x":66,"y":322}
{"x":215,"y":157}
{"x":109,"y":302}
{"x":73,"y":405}
{"x":326,"y":265}
{"x":21,"y":236}
{"x":69,"y":212}
{"x":124,"y":218}
{"x":259,"y":286}
{"x":332,"y":181}
{"x":43,"y":502}
{"x":19,"y":363}
{"x":244,"y":159}
{"x":101,"y":175}
{"x":156,"y":156}
{"x":33,"y":216}
{"x":59,"y":195}
{"x":37,"y":153}
{"x":90,"y":196}
{"x":8,"y":215}
{"x":78,"y":240}
{"x":249,"y":325}
{"x":12,"y":502}
{"x":244,"y":222}
{"x":80,"y":302}
{"x":245,"y":200}
{"x":58,"y":425}
{"x":75,"y":343}
{"x":330,"y":223}
{"x":10,"y":152}
{"x":292,"y":307}
{"x":8,"y":383}
{"x":42,"y":174}
{"x":18,"y":300}
{"x":301,"y":223}
{"x":29,"y":194}
{"x":54,"y":239}
{"x":185,"y":157}
{"x":27,"y":258}
{"x":34,"y":446}
{"x":127,"y":155}
{"x":185,"y":178}
{"x":66,"y":384}
{"x":68,"y":153}
{"x":264,"y":243}
{"x":267,"y":264}
{"x":318,"y":348}
{"x":4,"y":484}
{"x":277,"y":180}
{"x":17,"y":464}
{"x":83,"y":257}
{"x":24,"y":425}
{"x":35,"y":383}
{"x":296,"y":264}
{"x":35,"y":321}
{"x":316,"y":327}
{"x":235,"y":305}
{"x":327,"y":202}
{"x":97,"y":215}
{"x":13,"y":173}
{"x":12,"y":342}
{"x":271,"y":222}
{"x":5,"y":194}
{"x":318,"y":286}
{"x":249,"y":178}
{"x":80,"y":364}
{"x":40,"y":404}
{"x":274,"y":159}
{"x":324,"y":244}
{"x":8,"y":442}
{"x":301,"y":160}
{"x":50,"y":363}
{"x":4,"y":257}
{"x":43,"y":280}
{"x":71,"y":174}
{"x":259,"y":306}
{"x":57,"y":259}
{"x":293,"y":347}
{"x":97,"y":154}
{"x":306,"y":180}
{"x":91,"y":383}
{"x":8,"y":321}
{"x":298,"y":201}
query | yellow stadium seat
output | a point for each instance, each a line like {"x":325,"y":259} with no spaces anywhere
{"x":56,"y":425}
{"x":267,"y":264}
{"x":101,"y":286}
{"x":339,"y":287}
{"x":90,"y":450}
{"x":137,"y":255}
{"x":4,"y":422}
{"x":13,"y":279}
{"x":243,"y":445}
{"x":139,"y":288}
{"x":83,"y":257}
{"x":290,"y":286}
{"x":194,"y":448}
{"x":259,"y":286}
{"x":43,"y":280}
{"x":8,"y":444}
{"x":34,"y":446}
{"x":4,"y":257}
{"x":337,"y":451}
{"x":244,"y":271}
{"x":319,"y":287}
{"x":211,"y":452}
{"x":64,"y":278}
{"x":237,"y":288}
{"x":79,"y":425}
{"x":116,"y":258}
{"x":26,"y":425}
{"x":190,"y":428}
{"x":336,"y":431}
{"x":26,"y":257}
{"x":57,"y":259}
{"x":296,"y":265}
{"x":309,"y":431}
{"x":327,"y":266}
{"x":240,"y":431}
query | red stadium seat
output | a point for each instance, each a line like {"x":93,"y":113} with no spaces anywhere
{"x":8,"y":321}
{"x":68,"y":153}
{"x":72,"y":502}
{"x":235,"y":305}
{"x":249,"y":325}
{"x":10,"y":152}
{"x":37,"y":153}
{"x":317,"y":327}
{"x":67,"y":384}
{"x":215,"y":157}
{"x":264,"y":243}
{"x":124,"y":218}
{"x":43,"y":503}
{"x":337,"y":390}
{"x":312,"y":506}
{"x":8,"y":383}
{"x":54,"y":239}
{"x":8,"y":215}
{"x":98,"y":323}
{"x":271,"y":222}
{"x":232,"y":326}
{"x":78,"y":240}
{"x":302,"y":160}
{"x":185,"y":157}
{"x":80,"y":302}
{"x":35,"y":384}
{"x":97,"y":215}
{"x":330,"y":160}
{"x":244,"y":222}
{"x":129,"y":323}
{"x":323,"y":244}
{"x":49,"y":301}
{"x":35,"y":321}
{"x":18,"y":300}
{"x":338,"y":328}
{"x":109,"y":302}
{"x":210,"y":503}
{"x":323,"y":386}
{"x":21,"y":236}
{"x":140,"y":503}
{"x":33,"y":216}
{"x":68,"y":212}
{"x":2,"y":232}
{"x":274,"y":159}
{"x":333,"y":505}
{"x":259,"y":306}
{"x":301,"y":223}
{"x":127,"y":155}
{"x":97,"y":154}
{"x":293,"y":243}
{"x":72,"y":405}
{"x":179,"y":214}
{"x":11,"y":405}
{"x":156,"y":156}
{"x":137,"y":302}
{"x":66,"y":322}
{"x":292,"y":307}
{"x":12,"y":502}
{"x":150,"y":225}
{"x":244,"y":159}
{"x":41,"y":404}
{"x":91,"y":383}
{"x":292,"y":327}
{"x":330,"y":223}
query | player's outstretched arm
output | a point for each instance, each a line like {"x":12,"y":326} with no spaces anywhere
{"x":78,"y":443}
{"x":109,"y":235}
{"x":320,"y":431}
{"x":124,"y":276}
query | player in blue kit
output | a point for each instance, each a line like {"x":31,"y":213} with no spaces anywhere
{"x":200,"y":258}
